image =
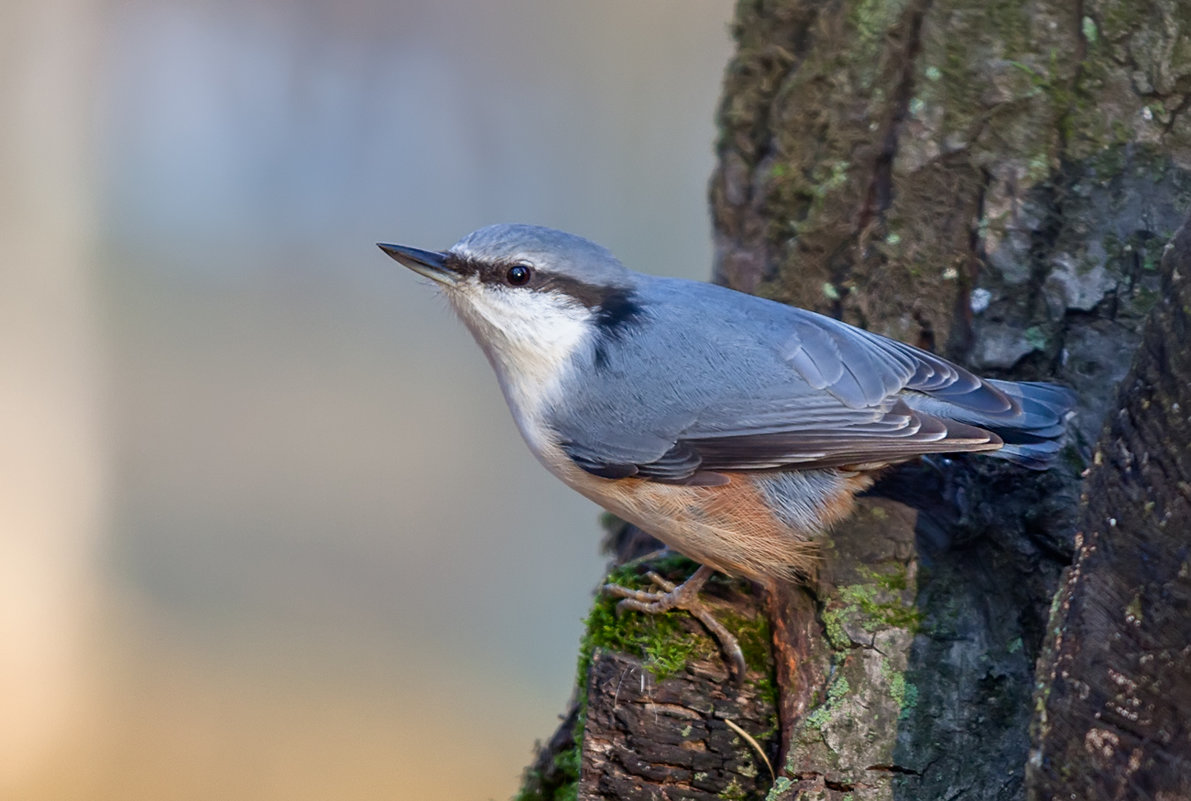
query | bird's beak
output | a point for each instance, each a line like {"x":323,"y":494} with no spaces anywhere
{"x":429,"y":263}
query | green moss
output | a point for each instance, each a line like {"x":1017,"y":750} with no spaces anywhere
{"x":871,"y":22}
{"x":733,"y":792}
{"x":894,"y":578}
{"x":836,"y":691}
{"x":529,"y":788}
{"x":903,"y":692}
{"x":661,"y":641}
{"x":1035,"y":337}
{"x":910,"y":698}
{"x":756,"y":642}
{"x":779,"y":788}
{"x":835,"y":179}
{"x":872,"y":19}
{"x":877,"y":602}
{"x":876,"y":613}
{"x":755,"y":637}
{"x":567,"y":764}
{"x":665,"y":643}
{"x":833,"y":625}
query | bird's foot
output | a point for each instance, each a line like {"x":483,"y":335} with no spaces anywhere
{"x":685,"y":596}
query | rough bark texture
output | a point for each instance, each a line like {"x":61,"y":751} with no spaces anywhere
{"x":1114,"y":718}
{"x":671,"y":739}
{"x":993,"y":180}
{"x":657,"y":716}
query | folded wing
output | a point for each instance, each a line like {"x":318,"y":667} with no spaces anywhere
{"x":782,"y":387}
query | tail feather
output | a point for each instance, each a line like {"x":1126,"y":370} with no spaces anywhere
{"x":1044,"y":407}
{"x":1034,"y":455}
{"x":1032,"y":431}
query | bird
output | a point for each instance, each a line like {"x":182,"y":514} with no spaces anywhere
{"x":734,"y":429}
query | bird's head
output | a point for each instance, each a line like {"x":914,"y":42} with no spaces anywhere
{"x":533,"y":297}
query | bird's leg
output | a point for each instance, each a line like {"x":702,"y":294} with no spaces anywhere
{"x":671,"y":597}
{"x":685,"y":596}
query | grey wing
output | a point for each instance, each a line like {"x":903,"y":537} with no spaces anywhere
{"x":781,"y":387}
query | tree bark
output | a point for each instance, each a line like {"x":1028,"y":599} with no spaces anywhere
{"x":994,"y":181}
{"x":1114,"y":704}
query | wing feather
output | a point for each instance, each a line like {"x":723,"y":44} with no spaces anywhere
{"x":767,"y":386}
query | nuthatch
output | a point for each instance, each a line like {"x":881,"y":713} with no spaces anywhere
{"x":733,"y":428}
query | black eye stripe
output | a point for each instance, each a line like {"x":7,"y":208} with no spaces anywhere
{"x":508,"y":273}
{"x":497,"y":272}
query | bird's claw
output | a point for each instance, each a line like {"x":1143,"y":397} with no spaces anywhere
{"x":685,"y":596}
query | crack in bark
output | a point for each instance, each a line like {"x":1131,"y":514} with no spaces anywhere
{"x":841,"y":787}
{"x":895,"y":769}
{"x":879,"y":195}
{"x":962,"y":339}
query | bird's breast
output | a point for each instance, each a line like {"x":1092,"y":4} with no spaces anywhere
{"x":762,"y":525}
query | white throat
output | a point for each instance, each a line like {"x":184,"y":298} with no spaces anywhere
{"x":531,"y":339}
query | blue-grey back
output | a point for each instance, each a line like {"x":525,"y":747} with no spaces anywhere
{"x":694,"y":376}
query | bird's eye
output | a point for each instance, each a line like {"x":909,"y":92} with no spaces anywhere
{"x":518,"y":275}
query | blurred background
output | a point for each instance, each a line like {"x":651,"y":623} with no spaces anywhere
{"x":266,"y":528}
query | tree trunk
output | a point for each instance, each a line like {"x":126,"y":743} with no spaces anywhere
{"x":1114,"y":704}
{"x":993,"y":180}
